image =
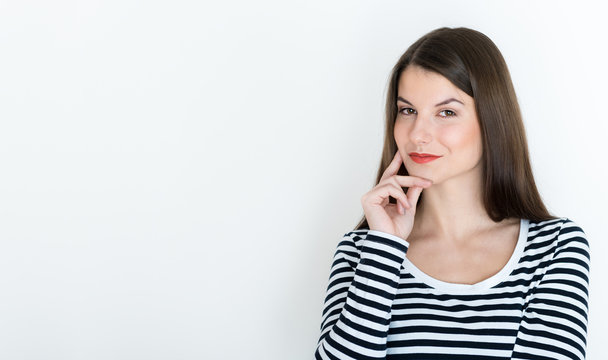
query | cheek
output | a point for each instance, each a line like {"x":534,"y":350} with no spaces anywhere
{"x":465,"y":139}
{"x":399,"y":132}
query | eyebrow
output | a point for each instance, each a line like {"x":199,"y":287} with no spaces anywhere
{"x":441,"y":103}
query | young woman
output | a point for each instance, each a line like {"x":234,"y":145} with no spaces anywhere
{"x":456,"y":257}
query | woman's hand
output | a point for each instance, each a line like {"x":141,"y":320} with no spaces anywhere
{"x":396,"y":219}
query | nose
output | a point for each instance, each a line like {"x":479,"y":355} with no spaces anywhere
{"x":420,"y":133}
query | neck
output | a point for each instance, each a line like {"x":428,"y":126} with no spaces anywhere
{"x":453,"y":209}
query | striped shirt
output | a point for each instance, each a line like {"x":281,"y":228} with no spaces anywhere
{"x":380,"y":306}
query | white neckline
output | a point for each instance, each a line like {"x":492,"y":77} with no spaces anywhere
{"x":482,"y":285}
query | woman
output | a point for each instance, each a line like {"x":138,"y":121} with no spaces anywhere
{"x":456,"y":257}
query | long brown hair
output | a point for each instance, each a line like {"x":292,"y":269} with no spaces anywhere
{"x":473,"y":63}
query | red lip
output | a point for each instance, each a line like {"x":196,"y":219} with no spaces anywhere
{"x":422,"y":158}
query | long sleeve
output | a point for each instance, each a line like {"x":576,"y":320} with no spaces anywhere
{"x":362,"y":286}
{"x":554,"y":325}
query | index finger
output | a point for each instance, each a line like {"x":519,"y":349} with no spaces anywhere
{"x":393,"y":167}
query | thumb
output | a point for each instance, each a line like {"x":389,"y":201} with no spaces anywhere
{"x":413,"y":194}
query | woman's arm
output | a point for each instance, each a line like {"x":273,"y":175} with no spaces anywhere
{"x":362,"y":286}
{"x":554,"y":325}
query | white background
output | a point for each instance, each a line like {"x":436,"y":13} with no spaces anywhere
{"x":175,"y":175}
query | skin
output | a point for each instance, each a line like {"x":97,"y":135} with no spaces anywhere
{"x":451,"y":237}
{"x":450,"y":131}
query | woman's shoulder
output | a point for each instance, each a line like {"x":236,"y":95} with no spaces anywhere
{"x":353,"y":240}
{"x":562,"y":234}
{"x":559,"y":226}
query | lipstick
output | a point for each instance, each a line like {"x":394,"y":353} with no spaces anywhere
{"x":422,"y":158}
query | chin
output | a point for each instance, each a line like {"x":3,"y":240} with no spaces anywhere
{"x":421,"y":173}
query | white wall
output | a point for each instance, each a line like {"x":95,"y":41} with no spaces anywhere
{"x":176,"y":174}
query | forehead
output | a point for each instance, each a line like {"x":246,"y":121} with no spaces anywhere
{"x":421,"y":85}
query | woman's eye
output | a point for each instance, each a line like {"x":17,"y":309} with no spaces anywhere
{"x":406,"y":111}
{"x":447,"y":113}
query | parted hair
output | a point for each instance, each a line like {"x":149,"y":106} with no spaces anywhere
{"x":473,"y":63}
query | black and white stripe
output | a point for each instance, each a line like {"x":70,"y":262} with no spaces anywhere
{"x":380,"y":306}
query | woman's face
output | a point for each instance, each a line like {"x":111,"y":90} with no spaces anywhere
{"x":436,"y":118}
